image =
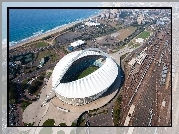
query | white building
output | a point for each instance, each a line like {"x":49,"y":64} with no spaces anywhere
{"x":77,"y":43}
{"x":92,"y":24}
{"x":139,"y":59}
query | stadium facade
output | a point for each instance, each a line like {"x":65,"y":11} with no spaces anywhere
{"x":74,"y":91}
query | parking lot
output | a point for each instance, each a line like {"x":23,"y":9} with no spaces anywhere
{"x":102,"y":119}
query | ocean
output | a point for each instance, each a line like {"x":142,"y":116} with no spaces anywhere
{"x":28,"y":23}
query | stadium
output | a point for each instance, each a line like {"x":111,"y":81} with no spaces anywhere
{"x":83,"y":76}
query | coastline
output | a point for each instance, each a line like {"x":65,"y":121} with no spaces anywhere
{"x":61,"y":28}
{"x":52,"y":31}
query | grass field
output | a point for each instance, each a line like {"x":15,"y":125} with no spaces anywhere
{"x":49,"y":122}
{"x":119,"y":48}
{"x":53,"y":55}
{"x":117,"y":110}
{"x":124,"y":33}
{"x":73,"y":124}
{"x":62,"y":124}
{"x":123,"y":56}
{"x":87,"y":71}
{"x":136,"y":45}
{"x":49,"y":74}
{"x":42,"y":54}
{"x":144,"y":35}
{"x":130,"y":44}
{"x":41,"y":44}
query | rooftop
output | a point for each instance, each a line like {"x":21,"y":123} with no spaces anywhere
{"x":77,"y":43}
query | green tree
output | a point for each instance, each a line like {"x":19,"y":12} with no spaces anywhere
{"x":13,"y":96}
{"x":73,"y":124}
{"x":62,"y":124}
{"x":34,"y":86}
{"x":41,"y":77}
{"x":49,"y":122}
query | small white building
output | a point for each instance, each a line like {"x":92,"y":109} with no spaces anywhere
{"x":77,"y":43}
{"x":92,"y":24}
{"x":141,"y":57}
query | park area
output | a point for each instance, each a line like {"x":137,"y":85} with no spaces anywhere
{"x":144,"y":35}
{"x":136,"y":45}
{"x":124,"y":33}
{"x":39,"y":44}
{"x":51,"y":53}
{"x":133,"y":45}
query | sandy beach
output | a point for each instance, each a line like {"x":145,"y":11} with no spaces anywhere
{"x":44,"y":35}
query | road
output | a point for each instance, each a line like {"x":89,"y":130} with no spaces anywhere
{"x":22,"y":77}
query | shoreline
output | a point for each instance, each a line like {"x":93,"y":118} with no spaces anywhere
{"x":61,"y":28}
{"x":52,"y":31}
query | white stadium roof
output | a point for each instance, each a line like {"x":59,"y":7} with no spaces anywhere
{"x":88,"y":86}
